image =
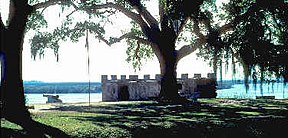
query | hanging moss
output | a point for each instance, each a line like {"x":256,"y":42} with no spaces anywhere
{"x":256,"y":41}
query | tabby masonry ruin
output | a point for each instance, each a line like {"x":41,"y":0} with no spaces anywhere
{"x":144,"y":89}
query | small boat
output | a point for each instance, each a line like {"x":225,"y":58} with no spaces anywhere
{"x":52,"y":98}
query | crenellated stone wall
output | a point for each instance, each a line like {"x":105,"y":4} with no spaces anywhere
{"x":133,"y":88}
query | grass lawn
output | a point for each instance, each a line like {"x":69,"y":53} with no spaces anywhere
{"x":210,"y":118}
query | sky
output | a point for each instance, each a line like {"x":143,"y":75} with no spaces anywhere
{"x":104,"y":60}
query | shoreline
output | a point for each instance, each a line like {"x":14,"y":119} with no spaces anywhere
{"x":50,"y":107}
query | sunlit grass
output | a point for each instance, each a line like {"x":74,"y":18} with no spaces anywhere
{"x":249,"y":113}
{"x":134,"y":118}
{"x":73,"y":124}
{"x":9,"y":125}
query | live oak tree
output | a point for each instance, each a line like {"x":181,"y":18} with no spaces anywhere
{"x":158,"y":35}
{"x":150,"y":34}
{"x":11,"y":49}
{"x":238,"y":38}
{"x":261,"y":37}
{"x":257,"y":40}
{"x":12,"y":93}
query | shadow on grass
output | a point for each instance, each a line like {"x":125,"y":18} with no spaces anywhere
{"x":36,"y":129}
{"x":13,"y":133}
{"x":234,"y":118}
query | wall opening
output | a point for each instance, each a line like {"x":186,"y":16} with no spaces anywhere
{"x":123,"y":94}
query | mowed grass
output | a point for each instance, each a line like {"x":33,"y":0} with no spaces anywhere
{"x":208,"y":118}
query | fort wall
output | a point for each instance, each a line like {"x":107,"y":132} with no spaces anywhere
{"x":133,"y":88}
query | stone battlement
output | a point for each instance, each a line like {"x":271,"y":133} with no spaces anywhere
{"x":133,"y":88}
{"x":104,"y":78}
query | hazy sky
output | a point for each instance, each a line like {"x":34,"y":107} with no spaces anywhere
{"x":105,"y":60}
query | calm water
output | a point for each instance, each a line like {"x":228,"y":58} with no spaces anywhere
{"x":66,"y":98}
{"x":238,"y":91}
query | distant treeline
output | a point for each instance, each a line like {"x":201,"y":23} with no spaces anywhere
{"x":61,"y":87}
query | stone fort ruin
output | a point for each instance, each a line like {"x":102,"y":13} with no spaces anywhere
{"x":132,"y":89}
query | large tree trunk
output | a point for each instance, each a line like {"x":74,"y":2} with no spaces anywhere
{"x":12,"y":92}
{"x":167,"y":57}
{"x":168,"y":74}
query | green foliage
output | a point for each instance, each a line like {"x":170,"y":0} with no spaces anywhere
{"x":215,"y":51}
{"x":257,"y":25}
{"x":124,"y":4}
{"x":80,"y":28}
{"x":259,"y":38}
{"x":181,"y":9}
{"x":31,"y":2}
{"x":39,"y":42}
{"x":43,"y":40}
{"x":36,"y":21}
{"x":136,"y":51}
{"x":256,"y":41}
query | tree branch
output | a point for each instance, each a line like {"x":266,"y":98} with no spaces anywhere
{"x":161,"y":12}
{"x":134,"y":16}
{"x":153,"y":23}
{"x":71,"y":13}
{"x":188,"y":49}
{"x":52,"y":2}
{"x":229,"y":26}
{"x":74,"y":5}
{"x":120,"y":8}
{"x":202,"y":39}
{"x":182,"y":25}
{"x":129,"y":35}
{"x":46,"y":4}
{"x":196,"y":30}
{"x":225,"y":28}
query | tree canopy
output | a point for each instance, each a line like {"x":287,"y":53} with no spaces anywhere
{"x":258,"y":39}
{"x":252,"y":33}
{"x":97,"y":13}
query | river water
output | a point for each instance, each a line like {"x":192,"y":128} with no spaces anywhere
{"x":237,"y":91}
{"x":66,"y":98}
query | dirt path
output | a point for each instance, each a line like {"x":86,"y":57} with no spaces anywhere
{"x":34,"y":108}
